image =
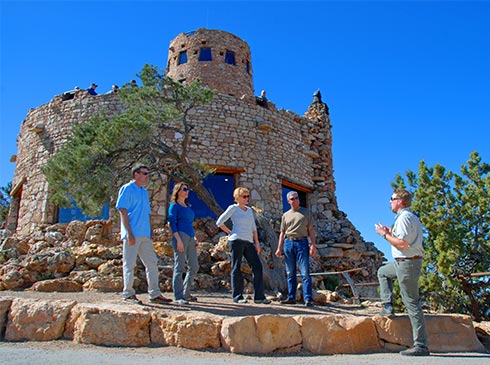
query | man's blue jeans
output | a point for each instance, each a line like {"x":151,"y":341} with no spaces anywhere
{"x":298,"y":251}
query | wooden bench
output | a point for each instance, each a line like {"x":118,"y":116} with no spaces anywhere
{"x":350,"y":283}
{"x":469,"y":283}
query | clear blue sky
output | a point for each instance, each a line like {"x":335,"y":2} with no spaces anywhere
{"x":405,"y":81}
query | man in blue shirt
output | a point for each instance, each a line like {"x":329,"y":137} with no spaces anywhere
{"x":134,"y":209}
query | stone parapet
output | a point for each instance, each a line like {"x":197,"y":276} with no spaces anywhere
{"x":112,"y":324}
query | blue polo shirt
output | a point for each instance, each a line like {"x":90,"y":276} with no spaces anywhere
{"x":135,"y":200}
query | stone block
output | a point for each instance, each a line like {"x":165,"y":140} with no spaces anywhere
{"x":330,"y":252}
{"x":57,"y":285}
{"x":447,"y":332}
{"x":104,"y":284}
{"x":37,"y":320}
{"x":108,"y":324}
{"x":191,"y":332}
{"x":338,"y":334}
{"x":262,"y":334}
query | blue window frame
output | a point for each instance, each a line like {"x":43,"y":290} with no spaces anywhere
{"x":205,"y":54}
{"x":182,"y":57}
{"x":230,"y":58}
{"x":66,"y":215}
{"x":221,"y":185}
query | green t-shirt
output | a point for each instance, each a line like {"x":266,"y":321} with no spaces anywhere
{"x":295,"y":223}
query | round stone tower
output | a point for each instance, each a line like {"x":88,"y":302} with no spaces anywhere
{"x":221,"y":60}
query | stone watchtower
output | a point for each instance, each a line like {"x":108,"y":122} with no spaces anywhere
{"x":264,"y":158}
{"x":219,"y":59}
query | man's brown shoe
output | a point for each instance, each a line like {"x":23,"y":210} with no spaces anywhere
{"x":160,"y":300}
{"x":288,"y":301}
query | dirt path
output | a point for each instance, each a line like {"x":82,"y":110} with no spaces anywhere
{"x":215,"y":303}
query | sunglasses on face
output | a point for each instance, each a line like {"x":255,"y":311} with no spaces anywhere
{"x":184,"y":189}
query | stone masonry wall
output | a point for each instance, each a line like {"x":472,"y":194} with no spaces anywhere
{"x":227,"y":134}
{"x":216,"y":74}
{"x":42,"y":133}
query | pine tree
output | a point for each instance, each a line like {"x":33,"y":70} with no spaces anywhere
{"x":4,"y":202}
{"x":97,"y":159}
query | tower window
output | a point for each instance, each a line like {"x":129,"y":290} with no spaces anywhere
{"x":205,"y":54}
{"x":182,"y":57}
{"x":247,"y":67}
{"x":230,"y":58}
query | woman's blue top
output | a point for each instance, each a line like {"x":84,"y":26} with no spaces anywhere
{"x":181,"y":219}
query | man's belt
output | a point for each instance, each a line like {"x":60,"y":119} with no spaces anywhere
{"x":296,"y":239}
{"x":408,"y":258}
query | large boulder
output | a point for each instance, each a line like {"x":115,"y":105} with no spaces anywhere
{"x":51,"y":261}
{"x":104,"y":284}
{"x":446,"y":332}
{"x":37,"y":320}
{"x":57,"y":285}
{"x":192,"y":332}
{"x":262,"y":334}
{"x":108,"y":324}
{"x":338,"y":334}
{"x":76,"y":230}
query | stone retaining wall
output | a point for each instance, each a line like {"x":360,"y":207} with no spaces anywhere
{"x":111,"y":324}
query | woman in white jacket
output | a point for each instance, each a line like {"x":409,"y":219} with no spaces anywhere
{"x":243,"y":241}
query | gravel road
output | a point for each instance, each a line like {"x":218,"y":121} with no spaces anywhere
{"x":68,"y":353}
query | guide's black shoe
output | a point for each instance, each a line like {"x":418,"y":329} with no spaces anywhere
{"x":416,"y":351}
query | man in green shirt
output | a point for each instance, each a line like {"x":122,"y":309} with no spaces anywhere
{"x":296,"y":226}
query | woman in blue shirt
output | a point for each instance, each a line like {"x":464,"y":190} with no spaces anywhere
{"x":243,"y":242}
{"x":184,"y":243}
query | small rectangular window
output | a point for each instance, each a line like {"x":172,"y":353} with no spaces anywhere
{"x":247,"y":67}
{"x":182,"y":57}
{"x":205,"y":54}
{"x":230,"y":58}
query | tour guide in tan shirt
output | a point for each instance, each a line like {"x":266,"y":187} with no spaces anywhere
{"x":296,"y":226}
